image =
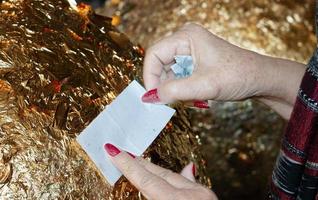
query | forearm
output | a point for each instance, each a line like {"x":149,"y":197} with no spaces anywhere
{"x":282,"y":108}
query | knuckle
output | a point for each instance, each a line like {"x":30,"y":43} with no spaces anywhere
{"x":190,"y":25}
{"x":126,"y":166}
{"x":165,"y":173}
{"x":150,"y":51}
{"x":141,"y":161}
{"x":146,"y":181}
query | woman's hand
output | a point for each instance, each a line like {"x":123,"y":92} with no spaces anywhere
{"x":158,"y":183}
{"x":222,"y":72}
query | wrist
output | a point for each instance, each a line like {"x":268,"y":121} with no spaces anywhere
{"x":279,"y":78}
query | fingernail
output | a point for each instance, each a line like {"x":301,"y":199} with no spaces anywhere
{"x":201,"y":104}
{"x":132,"y":155}
{"x":193,"y":169}
{"x":151,"y":96}
{"x":111,"y":149}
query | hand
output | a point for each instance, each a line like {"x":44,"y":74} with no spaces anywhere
{"x":155,"y":182}
{"x":222,"y":72}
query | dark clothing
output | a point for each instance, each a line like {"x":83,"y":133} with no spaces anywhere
{"x":295,"y":176}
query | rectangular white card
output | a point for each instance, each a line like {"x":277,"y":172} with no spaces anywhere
{"x":127,"y":123}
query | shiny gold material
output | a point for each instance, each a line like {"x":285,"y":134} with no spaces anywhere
{"x":58,"y":69}
{"x":5,"y":172}
{"x":281,"y":28}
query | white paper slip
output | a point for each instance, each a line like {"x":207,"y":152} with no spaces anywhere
{"x":127,"y":123}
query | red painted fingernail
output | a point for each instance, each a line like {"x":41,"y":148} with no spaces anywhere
{"x":111,"y":149}
{"x":132,"y":155}
{"x":193,"y":170}
{"x":151,"y":96}
{"x":201,"y":104}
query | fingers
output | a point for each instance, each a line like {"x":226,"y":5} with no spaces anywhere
{"x":189,"y":172}
{"x":146,"y":182}
{"x":153,"y":181}
{"x":173,"y":178}
{"x":161,"y":54}
{"x":157,"y":64}
{"x":185,"y":89}
{"x":186,"y":189}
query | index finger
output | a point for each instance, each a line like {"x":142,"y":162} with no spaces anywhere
{"x":149,"y":184}
{"x":161,"y":54}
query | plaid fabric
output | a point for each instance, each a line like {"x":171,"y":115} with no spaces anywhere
{"x":295,"y":176}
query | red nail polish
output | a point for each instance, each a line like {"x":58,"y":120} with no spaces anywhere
{"x":132,"y":155}
{"x":193,"y":170}
{"x":201,"y":104}
{"x":111,"y":149}
{"x":151,"y":96}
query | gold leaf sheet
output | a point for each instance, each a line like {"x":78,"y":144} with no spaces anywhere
{"x":59,"y":67}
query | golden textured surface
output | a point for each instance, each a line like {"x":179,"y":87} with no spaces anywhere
{"x":59,"y":67}
{"x":240,"y":140}
{"x":281,"y":28}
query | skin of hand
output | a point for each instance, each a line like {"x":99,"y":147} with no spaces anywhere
{"x":157,"y":183}
{"x":222,"y":72}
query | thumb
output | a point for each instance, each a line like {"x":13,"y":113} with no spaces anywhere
{"x":189,"y":172}
{"x":185,"y":89}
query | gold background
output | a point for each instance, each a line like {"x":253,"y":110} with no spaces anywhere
{"x":58,"y":69}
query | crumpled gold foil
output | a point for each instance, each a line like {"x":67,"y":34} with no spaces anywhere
{"x":59,"y":67}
